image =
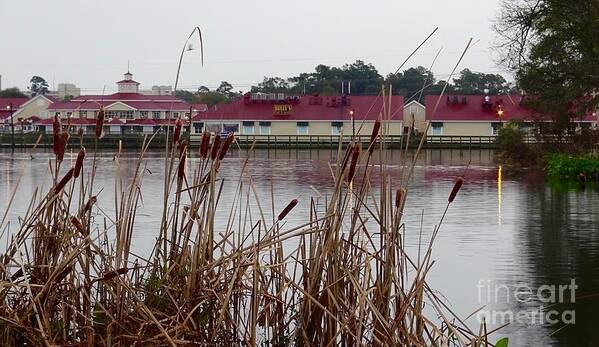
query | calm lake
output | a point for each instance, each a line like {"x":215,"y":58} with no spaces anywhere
{"x":507,"y":243}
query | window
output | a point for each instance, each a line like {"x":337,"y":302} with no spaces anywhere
{"x":69,"y":114}
{"x":198,"y":127}
{"x":82,"y":114}
{"x":143,"y":114}
{"x":437,"y":128}
{"x":120,"y":114}
{"x":167,"y":114}
{"x":175,"y":114}
{"x":156,"y":114}
{"x":264,"y":128}
{"x":336,"y":128}
{"x":495,"y":128}
{"x":57,"y":114}
{"x":248,"y":128}
{"x":231,"y":128}
{"x":302,"y":128}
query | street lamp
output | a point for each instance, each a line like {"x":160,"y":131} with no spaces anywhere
{"x":353,"y":123}
{"x":12,"y":126}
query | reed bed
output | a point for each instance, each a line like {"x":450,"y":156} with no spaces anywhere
{"x":342,"y":278}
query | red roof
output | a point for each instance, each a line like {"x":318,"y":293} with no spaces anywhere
{"x":128,"y":96}
{"x":304,"y":108}
{"x":128,"y":81}
{"x":472,"y":108}
{"x":64,"y":121}
{"x":115,"y":121}
{"x":143,"y":121}
{"x":16,"y":102}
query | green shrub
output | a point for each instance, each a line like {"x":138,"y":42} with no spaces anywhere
{"x":511,"y":141}
{"x":583,"y":167}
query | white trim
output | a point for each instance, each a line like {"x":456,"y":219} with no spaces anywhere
{"x":412,"y":102}
{"x":120,"y":103}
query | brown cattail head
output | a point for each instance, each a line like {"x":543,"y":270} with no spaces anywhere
{"x":79,"y":162}
{"x":348,"y":152}
{"x":182,"y":158}
{"x":354,"y":161}
{"x":63,"y":140}
{"x":204,"y":144}
{"x":177,"y":133}
{"x":112,"y":274}
{"x":77,"y":224}
{"x":56,"y":130}
{"x":223,"y":150}
{"x":456,"y":189}
{"x":399,"y":196}
{"x":375,"y":133}
{"x":89,"y":204}
{"x":63,"y":182}
{"x":100,"y":124}
{"x":287,"y":209}
{"x":215,"y":145}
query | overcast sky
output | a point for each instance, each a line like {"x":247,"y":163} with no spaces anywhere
{"x":89,"y":42}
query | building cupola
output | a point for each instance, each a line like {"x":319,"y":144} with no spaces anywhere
{"x":128,"y":85}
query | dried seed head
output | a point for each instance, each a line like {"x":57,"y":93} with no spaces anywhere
{"x":112,"y":274}
{"x":375,"y":133}
{"x":63,"y":140}
{"x":223,"y":150}
{"x":77,"y":224}
{"x":287,"y":209}
{"x":215,"y":146}
{"x":63,"y":182}
{"x":177,"y":133}
{"x":456,"y":189}
{"x":354,"y":161}
{"x":182,"y":158}
{"x":100,"y":124}
{"x":79,"y":162}
{"x":399,"y":196}
{"x":204,"y":144}
{"x":89,"y":204}
{"x":56,"y":130}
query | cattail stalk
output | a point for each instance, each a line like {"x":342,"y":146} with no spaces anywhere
{"x":181,"y":167}
{"x":287,"y":209}
{"x":56,"y":130}
{"x":456,"y":189}
{"x":399,"y":196}
{"x":375,"y":133}
{"x":77,"y":224}
{"x":89,"y":204}
{"x":354,"y":161}
{"x":63,"y":182}
{"x":100,"y":124}
{"x":204,"y":144}
{"x":177,"y":132}
{"x":225,"y":147}
{"x":79,"y":162}
{"x":215,"y":146}
{"x":112,"y":274}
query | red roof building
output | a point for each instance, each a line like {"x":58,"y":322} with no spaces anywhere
{"x":6,"y":104}
{"x":278,"y":114}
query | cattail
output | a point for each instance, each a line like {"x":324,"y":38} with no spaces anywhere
{"x":79,"y":162}
{"x":354,"y":160}
{"x":215,"y":146}
{"x":77,"y":224}
{"x":456,"y":189}
{"x":89,"y":204}
{"x":63,"y":274}
{"x":375,"y":133}
{"x":100,"y":124}
{"x":204,"y":144}
{"x":399,"y":196}
{"x":348,"y":152}
{"x":177,"y":132}
{"x":63,"y":140}
{"x":56,"y":129}
{"x":63,"y":182}
{"x":80,"y":132}
{"x":223,"y":150}
{"x":287,"y":209}
{"x":181,"y":168}
{"x":112,"y":274}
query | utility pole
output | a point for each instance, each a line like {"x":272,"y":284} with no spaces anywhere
{"x":12,"y":127}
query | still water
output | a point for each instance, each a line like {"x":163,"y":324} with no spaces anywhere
{"x":508,"y":242}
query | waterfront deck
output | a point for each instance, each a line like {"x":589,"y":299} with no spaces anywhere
{"x":261,"y":141}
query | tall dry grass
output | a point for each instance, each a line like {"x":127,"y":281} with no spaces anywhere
{"x":69,"y":276}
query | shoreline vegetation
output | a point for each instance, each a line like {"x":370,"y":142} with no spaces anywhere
{"x":569,"y":157}
{"x":69,"y":276}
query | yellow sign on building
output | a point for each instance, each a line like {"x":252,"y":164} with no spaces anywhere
{"x":282,"y":109}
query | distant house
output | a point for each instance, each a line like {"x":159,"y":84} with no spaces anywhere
{"x":480,"y":115}
{"x":279,"y":114}
{"x":127,"y":111}
{"x":8,"y":106}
